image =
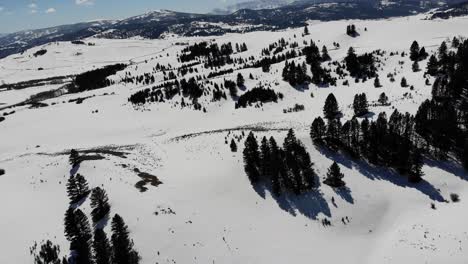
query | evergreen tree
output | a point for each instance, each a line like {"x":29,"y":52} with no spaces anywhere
{"x":414,"y":51}
{"x":416,"y":172}
{"x":443,"y":51}
{"x":122,"y":245}
{"x":325,"y":55}
{"x":72,"y":190}
{"x":99,"y":204}
{"x":265,"y":158}
{"x":306,"y":31}
{"x":423,"y":54}
{"x":403,"y":82}
{"x":432,"y":65}
{"x":74,"y":157}
{"x":233,"y":146}
{"x":334,"y":176}
{"x":251,"y":158}
{"x":276,"y":166}
{"x":383,"y":99}
{"x":78,"y":232}
{"x":330,"y":109}
{"x":377,"y":82}
{"x":240,"y":80}
{"x":317,"y":130}
{"x":48,"y":254}
{"x":101,"y":247}
{"x":360,"y":104}
{"x":77,"y":188}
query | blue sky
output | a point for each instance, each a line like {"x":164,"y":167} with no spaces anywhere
{"x":29,"y":14}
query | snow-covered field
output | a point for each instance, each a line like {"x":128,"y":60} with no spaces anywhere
{"x":217,"y":216}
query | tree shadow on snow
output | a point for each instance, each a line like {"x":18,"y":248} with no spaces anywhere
{"x":309,"y":204}
{"x":381,"y":173}
{"x":345,"y":194}
{"x":450,"y":166}
{"x":74,"y":169}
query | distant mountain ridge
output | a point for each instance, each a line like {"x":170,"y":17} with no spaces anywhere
{"x":160,"y":22}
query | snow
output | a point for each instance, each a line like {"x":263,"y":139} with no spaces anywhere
{"x":219,"y":217}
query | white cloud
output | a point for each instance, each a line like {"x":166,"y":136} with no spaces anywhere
{"x":50,"y":10}
{"x":84,"y":2}
{"x":33,"y":11}
{"x":32,"y":5}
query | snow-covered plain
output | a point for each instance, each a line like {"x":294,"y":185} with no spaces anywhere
{"x":217,"y":216}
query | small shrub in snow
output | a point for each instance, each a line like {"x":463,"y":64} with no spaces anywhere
{"x":454,"y":197}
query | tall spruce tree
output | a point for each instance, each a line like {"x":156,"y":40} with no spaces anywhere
{"x":265,"y":165}
{"x":122,"y":246}
{"x":99,"y":204}
{"x":318,"y":130}
{"x":330,"y":109}
{"x":101,"y":247}
{"x":414,"y":51}
{"x":251,"y":158}
{"x":334,"y":176}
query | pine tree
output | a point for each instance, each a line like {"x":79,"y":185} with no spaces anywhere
{"x":306,"y":31}
{"x":403,"y":82}
{"x":360,"y":104}
{"x":334,"y":176}
{"x":48,"y":254}
{"x":82,"y":188}
{"x":251,"y":158}
{"x":72,"y":190}
{"x":330,"y":109}
{"x":383,"y":99}
{"x":416,"y":172}
{"x":377,"y":82}
{"x":432,"y":65}
{"x":265,"y":158}
{"x":317,"y":130}
{"x":276,"y":167}
{"x":78,"y":232}
{"x":101,"y":247}
{"x":325,"y":55}
{"x":443,"y":51}
{"x":240,"y":80}
{"x":414,"y":51}
{"x":122,"y":245}
{"x":99,"y":204}
{"x":233,"y":146}
{"x":74,"y":157}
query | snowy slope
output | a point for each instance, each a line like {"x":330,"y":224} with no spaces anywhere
{"x":218,"y":217}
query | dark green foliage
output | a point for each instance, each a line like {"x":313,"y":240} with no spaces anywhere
{"x":318,"y":130}
{"x":99,"y":204}
{"x":122,"y":245}
{"x":295,"y":75}
{"x":96,"y":79}
{"x":74,"y":157}
{"x":334,"y":176}
{"x":432,"y":65}
{"x":377,"y":82}
{"x":232,"y":87}
{"x":240,"y":80}
{"x":233,"y":146}
{"x":403,"y":82}
{"x":361,"y":66}
{"x":330,"y":109}
{"x":351,"y":31}
{"x":101,"y":247}
{"x":252,"y":158}
{"x":287,"y":169}
{"x":256,"y":95}
{"x":77,"y":188}
{"x":78,"y":232}
{"x":383,"y":99}
{"x":325,"y":55}
{"x":360,"y":104}
{"x":48,"y":254}
{"x":414,"y":51}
